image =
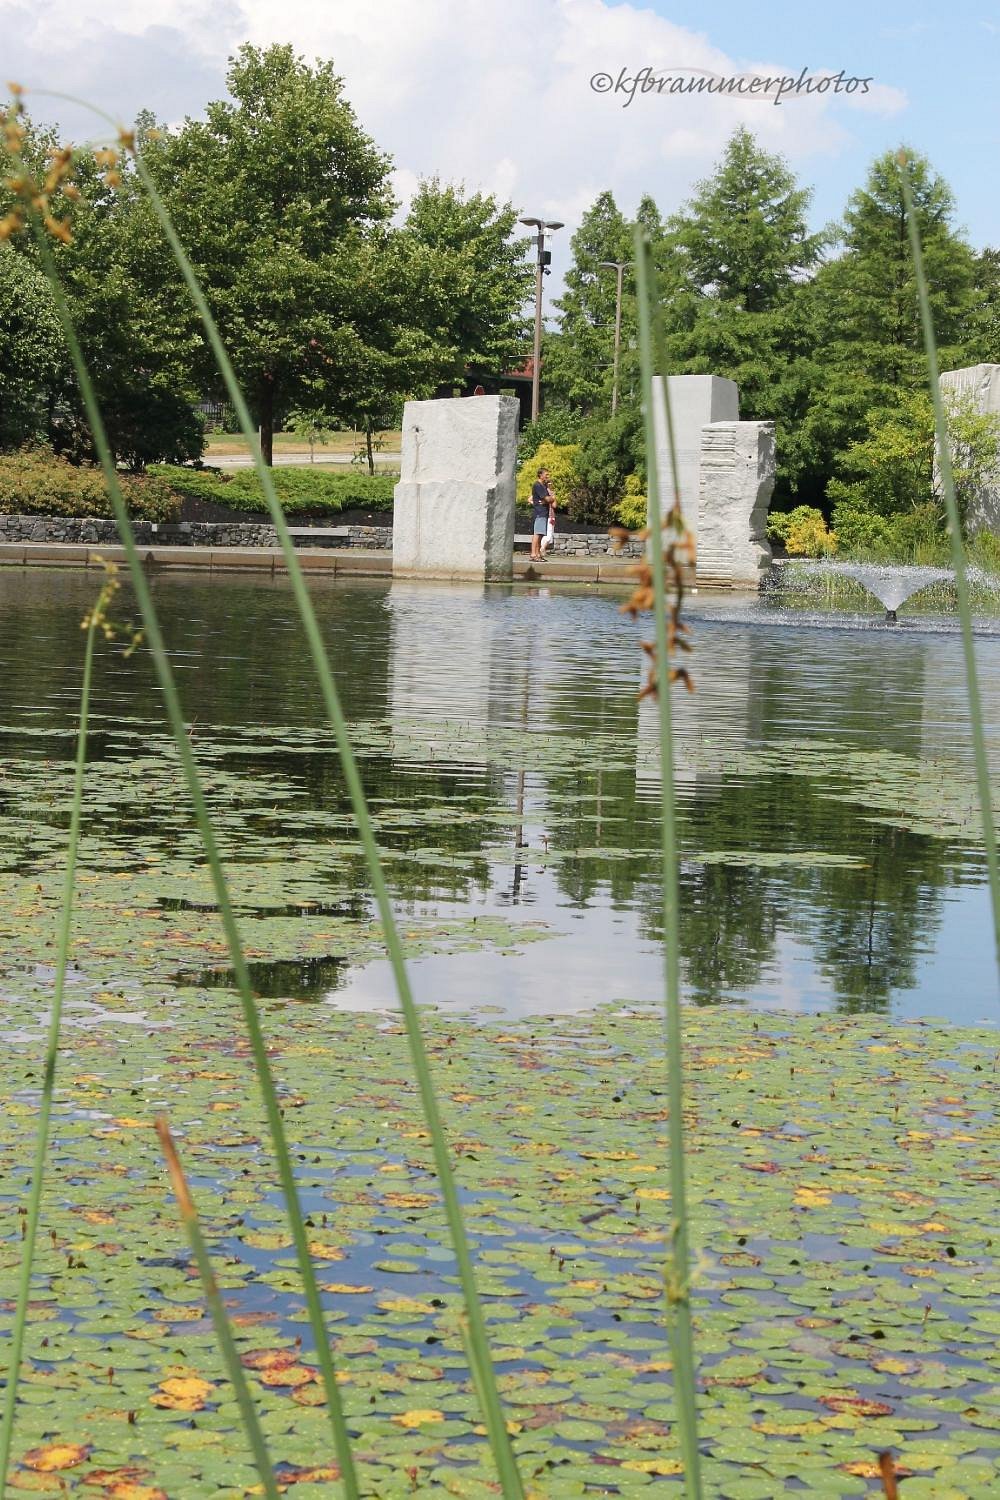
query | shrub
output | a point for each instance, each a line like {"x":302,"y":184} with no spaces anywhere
{"x":611,"y":448}
{"x":301,"y":490}
{"x":802,"y":532}
{"x":560,"y":460}
{"x":559,"y":426}
{"x":859,"y":532}
{"x":914,"y":536}
{"x":35,"y":482}
{"x":631,"y":508}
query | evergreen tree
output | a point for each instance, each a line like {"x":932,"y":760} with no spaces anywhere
{"x":866,"y":315}
{"x":982,"y":336}
{"x":743,"y":242}
{"x":873,"y":318}
{"x":734,"y":267}
{"x":578,"y":361}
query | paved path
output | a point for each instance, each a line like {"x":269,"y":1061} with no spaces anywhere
{"x":338,"y":561}
{"x":281,"y":460}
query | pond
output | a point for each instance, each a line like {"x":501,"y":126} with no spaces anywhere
{"x":828,"y":820}
{"x":842,"y":1147}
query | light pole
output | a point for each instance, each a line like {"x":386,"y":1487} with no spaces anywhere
{"x":621,"y":266}
{"x":543,"y":258}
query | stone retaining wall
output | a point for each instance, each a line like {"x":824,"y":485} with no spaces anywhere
{"x":593,"y":544}
{"x":251,"y":534}
{"x":95,"y":530}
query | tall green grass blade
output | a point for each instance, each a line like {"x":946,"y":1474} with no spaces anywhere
{"x":957,"y":558}
{"x":231,"y":1358}
{"x":679,"y":1274}
{"x":483,"y":1372}
{"x":51,"y":1057}
{"x":189,"y":768}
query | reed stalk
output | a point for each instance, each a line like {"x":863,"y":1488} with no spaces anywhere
{"x":484,"y":1376}
{"x":223,"y":1332}
{"x":679,"y":1274}
{"x":958,"y":559}
{"x":64,"y":940}
{"x":189,"y":769}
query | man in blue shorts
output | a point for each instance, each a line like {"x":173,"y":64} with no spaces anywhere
{"x":541,"y":499}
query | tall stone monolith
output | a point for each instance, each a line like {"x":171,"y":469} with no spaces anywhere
{"x":736,"y":483}
{"x":694,"y":400}
{"x":454,"y":503}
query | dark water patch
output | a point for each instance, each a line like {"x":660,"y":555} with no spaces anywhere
{"x":279,"y":979}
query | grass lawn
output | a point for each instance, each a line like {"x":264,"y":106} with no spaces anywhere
{"x":224,"y":444}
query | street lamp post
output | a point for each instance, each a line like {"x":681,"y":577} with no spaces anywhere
{"x":621,"y":266}
{"x":541,"y":266}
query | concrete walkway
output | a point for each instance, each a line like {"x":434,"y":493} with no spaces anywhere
{"x":297,"y":460}
{"x":337,"y":561}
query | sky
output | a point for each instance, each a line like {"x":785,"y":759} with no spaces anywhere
{"x":502,"y":96}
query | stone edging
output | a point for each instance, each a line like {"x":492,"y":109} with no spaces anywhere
{"x":95,"y":531}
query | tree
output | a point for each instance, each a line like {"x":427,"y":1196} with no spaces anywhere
{"x":737,"y":262}
{"x":136,"y":329}
{"x":485,"y":278}
{"x":891,"y":471}
{"x":312,"y":427}
{"x":867,"y":316}
{"x":743,"y":239}
{"x":33,"y":359}
{"x":272,"y":194}
{"x":982,"y":333}
{"x":578,"y":361}
{"x":871,"y":288}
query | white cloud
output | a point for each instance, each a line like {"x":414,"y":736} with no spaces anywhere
{"x":498,"y":96}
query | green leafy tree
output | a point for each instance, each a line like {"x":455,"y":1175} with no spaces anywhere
{"x":32,"y":352}
{"x":132,"y":318}
{"x":272,"y":194}
{"x":483,"y":276}
{"x":982,"y":335}
{"x":743,"y":239}
{"x":313,"y":427}
{"x":891,"y":472}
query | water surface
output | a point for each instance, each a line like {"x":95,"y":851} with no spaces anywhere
{"x":830,"y":858}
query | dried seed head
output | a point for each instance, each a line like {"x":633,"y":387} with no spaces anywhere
{"x":58,"y":228}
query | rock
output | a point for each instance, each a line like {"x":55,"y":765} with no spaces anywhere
{"x":454,"y":503}
{"x":737,"y":480}
{"x":694,"y":400}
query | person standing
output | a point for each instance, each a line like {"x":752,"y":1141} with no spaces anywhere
{"x":541,"y":498}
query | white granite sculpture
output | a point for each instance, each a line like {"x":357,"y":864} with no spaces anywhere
{"x":982,"y":384}
{"x":736,"y":482}
{"x":694,"y":400}
{"x":454,"y":503}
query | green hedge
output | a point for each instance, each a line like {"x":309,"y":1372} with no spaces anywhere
{"x":300,"y":488}
{"x":35,"y":482}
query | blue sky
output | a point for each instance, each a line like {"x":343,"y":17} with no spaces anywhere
{"x":945,"y":58}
